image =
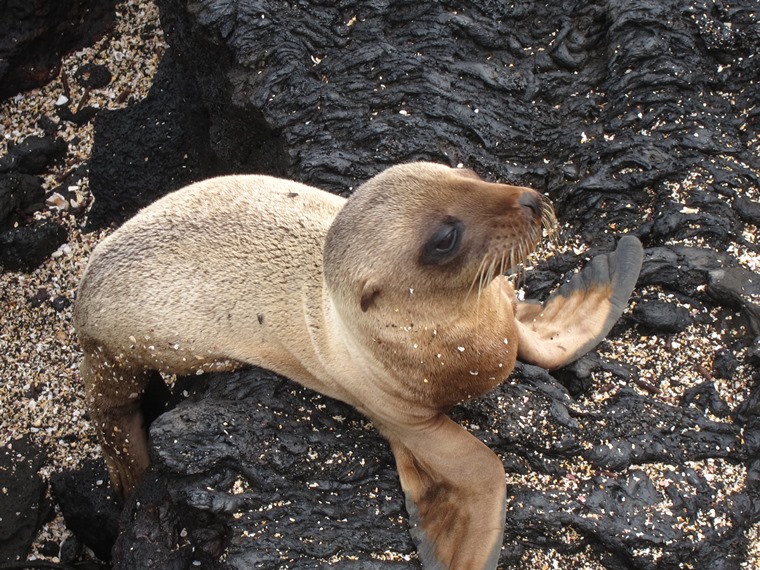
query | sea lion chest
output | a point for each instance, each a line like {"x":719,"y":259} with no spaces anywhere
{"x":463,"y":353}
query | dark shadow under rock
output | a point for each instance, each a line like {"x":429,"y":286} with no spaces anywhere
{"x":165,"y":142}
{"x":148,"y":149}
{"x":20,"y":195}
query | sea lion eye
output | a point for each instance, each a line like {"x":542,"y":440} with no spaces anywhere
{"x":444,"y":244}
{"x":448,"y":240}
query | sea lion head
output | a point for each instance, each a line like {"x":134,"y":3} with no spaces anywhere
{"x":410,"y":264}
{"x":421,"y":233}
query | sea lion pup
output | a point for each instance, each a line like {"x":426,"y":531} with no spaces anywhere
{"x":392,"y":301}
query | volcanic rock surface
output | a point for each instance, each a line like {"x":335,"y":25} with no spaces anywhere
{"x":34,"y":34}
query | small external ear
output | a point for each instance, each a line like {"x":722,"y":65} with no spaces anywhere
{"x":370,"y":292}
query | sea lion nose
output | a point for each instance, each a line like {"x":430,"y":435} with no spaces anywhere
{"x":532,"y":201}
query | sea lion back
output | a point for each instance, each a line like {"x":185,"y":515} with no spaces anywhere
{"x":192,"y":274}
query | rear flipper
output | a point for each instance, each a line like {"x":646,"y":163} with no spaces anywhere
{"x":455,"y":495}
{"x":576,"y":318}
{"x":117,"y":408}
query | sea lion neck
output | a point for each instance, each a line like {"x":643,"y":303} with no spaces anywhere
{"x":438,"y":354}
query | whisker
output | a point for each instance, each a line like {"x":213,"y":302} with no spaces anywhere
{"x":478,"y":275}
{"x":489,"y":274}
{"x":518,"y":264}
{"x":512,"y":260}
{"x":494,"y":269}
{"x":501,"y":272}
{"x":482,"y":280}
{"x":549,"y":221}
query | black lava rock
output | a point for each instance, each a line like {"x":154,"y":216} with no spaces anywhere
{"x":299,"y":481}
{"x":23,"y":508}
{"x":349,"y":90}
{"x":34,"y":34}
{"x":148,"y":149}
{"x":158,"y":534}
{"x":93,"y":75}
{"x":753,"y":353}
{"x":577,"y":376}
{"x":706,"y":397}
{"x":661,"y":317}
{"x":26,"y":247}
{"x":19,"y":193}
{"x":60,"y":303}
{"x":682,"y":269}
{"x":738,"y":287}
{"x":70,"y":549}
{"x":748,"y":210}
{"x":33,"y":155}
{"x":629,"y":430}
{"x":89,"y":506}
{"x":725,"y":364}
{"x":80,"y":117}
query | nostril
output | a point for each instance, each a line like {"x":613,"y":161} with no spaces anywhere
{"x":532,"y":201}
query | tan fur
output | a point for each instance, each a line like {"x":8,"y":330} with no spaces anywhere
{"x":332,"y":294}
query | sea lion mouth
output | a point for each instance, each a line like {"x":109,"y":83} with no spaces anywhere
{"x":510,"y":261}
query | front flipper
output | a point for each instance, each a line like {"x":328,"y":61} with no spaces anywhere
{"x":576,"y":318}
{"x":455,"y":494}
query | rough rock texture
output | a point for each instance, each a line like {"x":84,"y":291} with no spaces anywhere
{"x":25,"y":247}
{"x":33,"y":155}
{"x":281,"y":475}
{"x":25,"y":507}
{"x":661,"y":317}
{"x":563,"y":97}
{"x":292,"y":464}
{"x":24,"y":243}
{"x":636,"y":116}
{"x":617,"y":510}
{"x":20,"y":194}
{"x":34,"y":34}
{"x":150,"y":148}
{"x":80,"y":495}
